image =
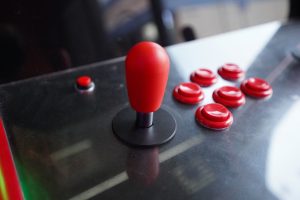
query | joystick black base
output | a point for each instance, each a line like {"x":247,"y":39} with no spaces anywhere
{"x":162,"y":130}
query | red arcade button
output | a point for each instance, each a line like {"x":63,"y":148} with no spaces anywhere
{"x":203,"y":77}
{"x":229,"y":96}
{"x":84,"y":83}
{"x":256,"y":87}
{"x":231,"y":72}
{"x":189,"y":93}
{"x":214,"y":116}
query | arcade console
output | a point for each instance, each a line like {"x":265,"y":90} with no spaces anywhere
{"x":220,"y":133}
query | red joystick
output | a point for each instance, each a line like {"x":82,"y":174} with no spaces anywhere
{"x":147,"y":69}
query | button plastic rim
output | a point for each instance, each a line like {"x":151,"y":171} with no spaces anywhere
{"x":229,"y":102}
{"x":212,"y":117}
{"x":231,"y":75}
{"x":253,"y":86}
{"x":213,"y":124}
{"x":203,"y":81}
{"x":229,"y":88}
{"x":189,"y":94}
{"x":199,"y":75}
{"x":256,"y":93}
{"x":85,"y":90}
{"x":187,"y":99}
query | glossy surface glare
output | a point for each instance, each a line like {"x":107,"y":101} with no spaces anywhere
{"x":204,"y":73}
{"x":230,"y":67}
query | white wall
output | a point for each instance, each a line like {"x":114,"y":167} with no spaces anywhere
{"x":213,"y":19}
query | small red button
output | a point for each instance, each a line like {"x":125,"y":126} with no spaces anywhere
{"x":215,"y":112}
{"x":203,"y":77}
{"x":214,"y":116}
{"x":84,"y":82}
{"x":229,"y":96}
{"x":189,"y":93}
{"x":256,"y":87}
{"x":231,"y":72}
{"x":258,"y":84}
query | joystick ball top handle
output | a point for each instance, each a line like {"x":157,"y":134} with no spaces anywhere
{"x":147,"y":70}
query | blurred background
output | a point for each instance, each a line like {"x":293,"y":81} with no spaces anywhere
{"x":39,"y":37}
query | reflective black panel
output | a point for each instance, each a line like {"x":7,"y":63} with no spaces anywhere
{"x":64,"y":147}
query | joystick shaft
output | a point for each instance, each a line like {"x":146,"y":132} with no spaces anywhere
{"x":144,"y":120}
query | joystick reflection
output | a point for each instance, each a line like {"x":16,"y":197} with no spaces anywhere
{"x":143,"y":165}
